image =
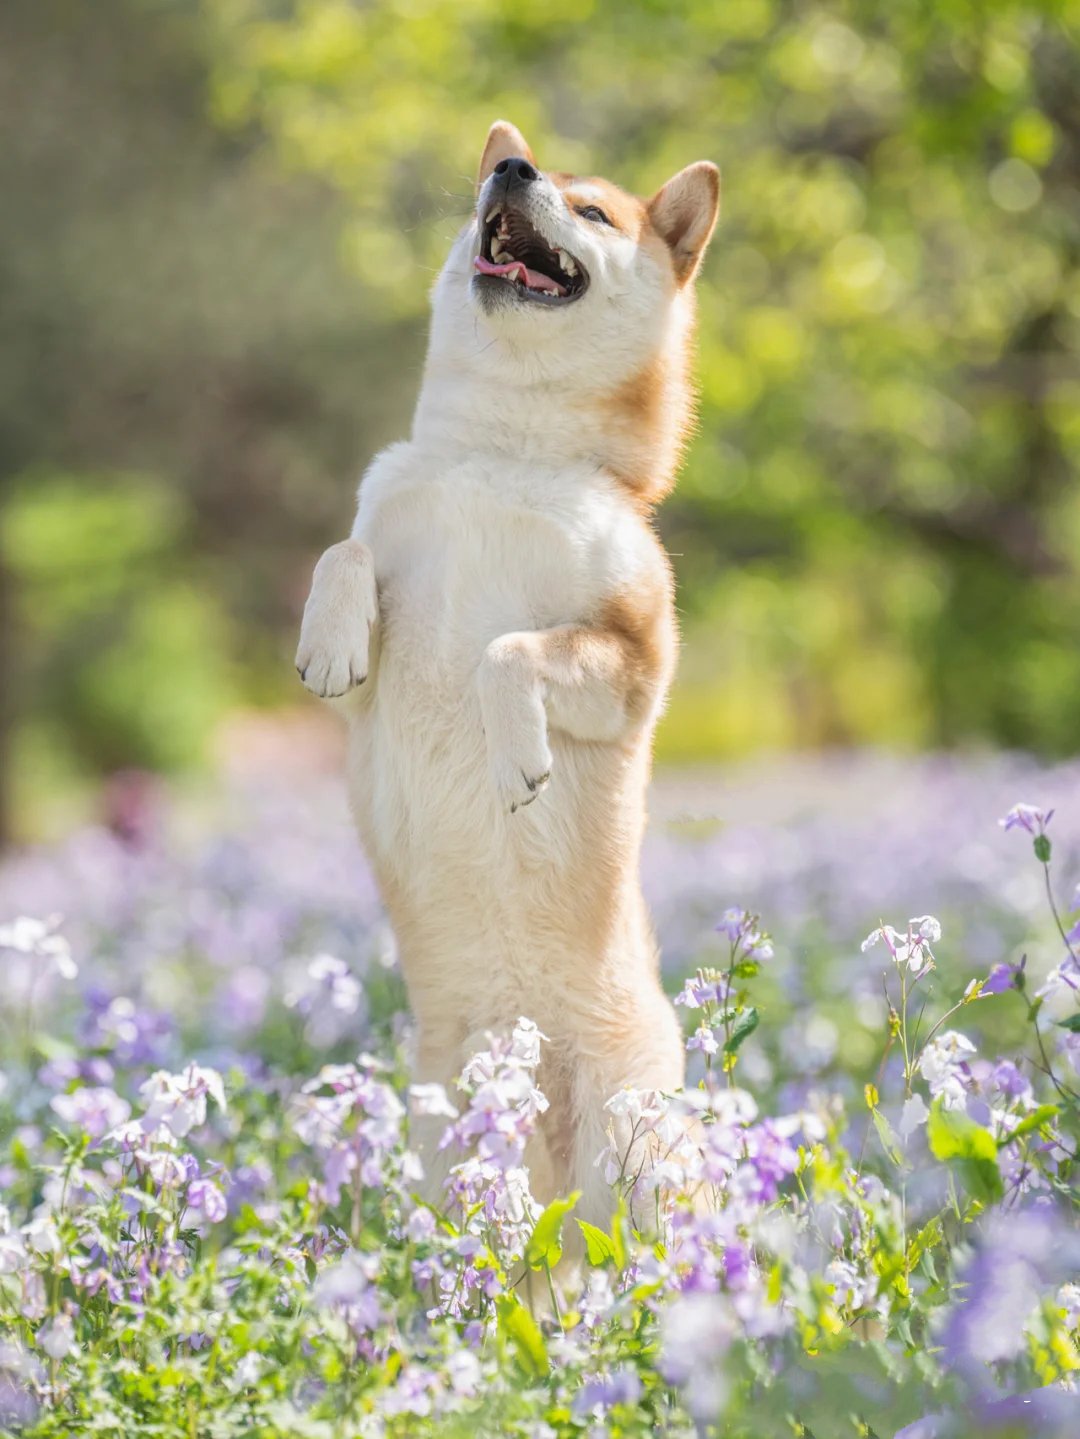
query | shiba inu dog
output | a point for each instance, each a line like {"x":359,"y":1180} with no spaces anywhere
{"x":502,"y":624}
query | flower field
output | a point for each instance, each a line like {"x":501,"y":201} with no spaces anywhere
{"x":860,"y":1218}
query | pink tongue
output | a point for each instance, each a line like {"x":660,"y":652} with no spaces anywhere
{"x":515,"y":270}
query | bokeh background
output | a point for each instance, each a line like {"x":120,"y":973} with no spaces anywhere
{"x":218,"y":225}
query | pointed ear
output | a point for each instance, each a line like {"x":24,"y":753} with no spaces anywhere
{"x":503,"y":141}
{"x":683,"y":213}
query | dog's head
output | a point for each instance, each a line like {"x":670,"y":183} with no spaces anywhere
{"x":561,"y":320}
{"x":558,"y":262}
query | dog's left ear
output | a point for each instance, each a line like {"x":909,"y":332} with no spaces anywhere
{"x":683,"y":213}
{"x":503,"y":142}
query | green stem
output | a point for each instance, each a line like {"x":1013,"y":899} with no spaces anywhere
{"x":551,"y":1291}
{"x":1054,"y":910}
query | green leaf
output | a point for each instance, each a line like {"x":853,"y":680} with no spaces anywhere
{"x":545,"y":1242}
{"x":926,"y":1239}
{"x":600,"y":1247}
{"x":520,"y":1329}
{"x":1072,"y":1024}
{"x":956,"y":1139}
{"x":887,"y":1135}
{"x":1035,"y":1120}
{"x":743,"y":1030}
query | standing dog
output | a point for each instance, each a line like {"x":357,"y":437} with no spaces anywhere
{"x":502,"y":621}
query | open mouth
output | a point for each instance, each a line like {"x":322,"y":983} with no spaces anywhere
{"x":513,"y":253}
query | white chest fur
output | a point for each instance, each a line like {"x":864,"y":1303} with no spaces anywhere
{"x":468,"y":551}
{"x":465,"y":552}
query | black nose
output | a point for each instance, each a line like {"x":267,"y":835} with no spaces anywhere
{"x":516,"y":171}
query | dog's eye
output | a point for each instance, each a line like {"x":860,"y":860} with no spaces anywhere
{"x":594,"y":213}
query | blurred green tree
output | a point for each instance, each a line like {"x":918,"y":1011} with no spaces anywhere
{"x":220,"y":219}
{"x":186,"y":384}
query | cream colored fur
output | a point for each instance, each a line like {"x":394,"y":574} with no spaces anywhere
{"x":499,"y":725}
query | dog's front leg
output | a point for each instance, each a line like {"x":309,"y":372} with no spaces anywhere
{"x":340,"y":616}
{"x":592,"y":682}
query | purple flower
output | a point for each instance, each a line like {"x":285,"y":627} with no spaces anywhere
{"x":350,"y":1285}
{"x":331,"y":999}
{"x":1004,"y":977}
{"x":204,"y":1194}
{"x":696,"y":1332}
{"x":771,"y":1158}
{"x":1018,"y":1255}
{"x":603,"y":1391}
{"x":1027,"y":816}
{"x":1008,"y":1081}
{"x":700,"y":990}
{"x":741,"y":928}
{"x":732,"y":922}
{"x":1069,"y":1044}
{"x":704,"y":1039}
{"x":93,"y":1109}
{"x":130,"y":1034}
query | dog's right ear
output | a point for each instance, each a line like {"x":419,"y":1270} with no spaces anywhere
{"x":504,"y":141}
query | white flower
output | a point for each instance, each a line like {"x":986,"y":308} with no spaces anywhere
{"x":420,"y":1225}
{"x":912,"y":1115}
{"x":463,"y":1370}
{"x":942,"y":1065}
{"x":525,"y":1042}
{"x":911,"y":948}
{"x":696,"y":1330}
{"x":249,"y":1370}
{"x":58,"y":1338}
{"x":1061,"y":990}
{"x":41,"y":1235}
{"x":431,"y":1100}
{"x":885,"y":932}
{"x":641,"y":1106}
{"x":12,"y":1253}
{"x":341,"y":986}
{"x":177,"y":1102}
{"x":849,"y":1288}
{"x":733,"y":1107}
{"x":345,"y":1281}
{"x":38,"y":937}
{"x":926,"y":927}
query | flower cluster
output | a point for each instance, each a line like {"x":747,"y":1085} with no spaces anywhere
{"x":862,"y":1203}
{"x":489,"y":1188}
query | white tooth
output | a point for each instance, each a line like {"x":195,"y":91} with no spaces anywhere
{"x":491,"y":214}
{"x":567,"y":263}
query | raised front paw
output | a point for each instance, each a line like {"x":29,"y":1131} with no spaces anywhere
{"x":335,"y":635}
{"x":515,"y":724}
{"x":520,"y":777}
